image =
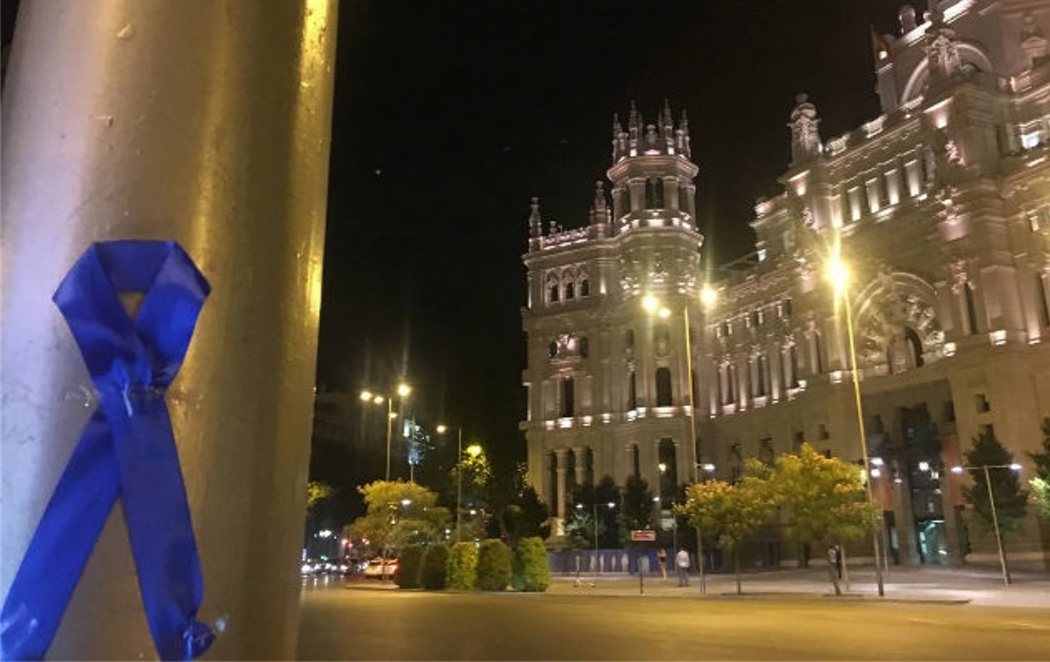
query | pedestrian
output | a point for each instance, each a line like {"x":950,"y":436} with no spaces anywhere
{"x":833,"y":565}
{"x":661,"y":558}
{"x":681,"y":562}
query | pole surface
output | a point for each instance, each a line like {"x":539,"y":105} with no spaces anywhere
{"x":389,"y":430}
{"x":877,"y":538}
{"x":459,"y":481}
{"x":995,"y":522}
{"x":692,"y":445}
{"x":206,"y":122}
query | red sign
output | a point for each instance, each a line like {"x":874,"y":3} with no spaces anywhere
{"x":643,"y":535}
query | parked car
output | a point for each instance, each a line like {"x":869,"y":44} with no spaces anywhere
{"x":378,"y":568}
{"x":324,"y":567}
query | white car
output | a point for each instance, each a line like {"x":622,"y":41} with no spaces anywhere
{"x":379,"y":568}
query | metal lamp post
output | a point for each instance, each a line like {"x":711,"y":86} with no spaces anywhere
{"x":991,"y":502}
{"x":839,"y":277}
{"x":708,"y":297}
{"x":403,"y":391}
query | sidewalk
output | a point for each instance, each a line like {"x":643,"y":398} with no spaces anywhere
{"x":939,"y":585}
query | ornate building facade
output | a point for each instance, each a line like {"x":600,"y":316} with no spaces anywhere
{"x":941,"y":207}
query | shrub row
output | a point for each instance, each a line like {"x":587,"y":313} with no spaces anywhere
{"x":466,"y":566}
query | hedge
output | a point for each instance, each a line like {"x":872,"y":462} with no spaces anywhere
{"x":493,"y":565}
{"x":432,"y":574}
{"x":409,"y":567}
{"x":531,"y":571}
{"x":463,"y":567}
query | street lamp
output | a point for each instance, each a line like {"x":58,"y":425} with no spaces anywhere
{"x":442,"y":429}
{"x":403,"y":391}
{"x":708,"y":297}
{"x":1013,"y":466}
{"x":838,"y":275}
{"x":594,"y":514}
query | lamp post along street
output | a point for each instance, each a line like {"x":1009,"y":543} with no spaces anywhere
{"x":840,"y":275}
{"x":995,"y":523}
{"x":389,"y":430}
{"x":995,"y":514}
{"x":692,"y":445}
{"x":459,"y":482}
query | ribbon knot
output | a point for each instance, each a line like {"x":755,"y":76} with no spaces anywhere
{"x":127,"y":451}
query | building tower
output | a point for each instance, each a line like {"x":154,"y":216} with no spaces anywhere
{"x":607,"y":382}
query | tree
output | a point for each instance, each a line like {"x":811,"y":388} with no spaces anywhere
{"x":493,"y":565}
{"x":729,"y":513}
{"x":462,"y":574}
{"x":823,"y":499}
{"x":517,"y":510}
{"x":399,"y":514}
{"x":527,"y":517}
{"x":1041,"y":482}
{"x":637,"y":510}
{"x":531,"y":568}
{"x":1011,"y":502}
{"x":316,"y":491}
{"x":477,"y":481}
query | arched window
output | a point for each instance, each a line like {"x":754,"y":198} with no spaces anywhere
{"x":914,"y":347}
{"x":663,"y":387}
{"x":552,"y":292}
{"x":632,"y":391}
{"x":552,"y":349}
{"x":568,"y":397}
{"x":585,"y":347}
{"x":585,"y":287}
{"x":570,"y":290}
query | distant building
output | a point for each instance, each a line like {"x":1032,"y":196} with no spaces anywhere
{"x":942,"y":204}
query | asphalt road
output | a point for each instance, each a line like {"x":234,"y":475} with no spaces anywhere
{"x":356,"y":624}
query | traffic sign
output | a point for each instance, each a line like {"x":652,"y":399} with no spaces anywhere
{"x":643,"y":535}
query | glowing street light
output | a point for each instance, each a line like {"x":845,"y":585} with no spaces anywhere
{"x":442,"y":429}
{"x":652,"y":306}
{"x":474,"y":450}
{"x":838,"y":275}
{"x":708,"y":296}
{"x":403,"y":390}
{"x":1013,"y":466}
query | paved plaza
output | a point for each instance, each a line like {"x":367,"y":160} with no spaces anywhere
{"x":782,"y":616}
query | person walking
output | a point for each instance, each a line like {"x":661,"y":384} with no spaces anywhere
{"x":661,"y":558}
{"x":681,"y":563}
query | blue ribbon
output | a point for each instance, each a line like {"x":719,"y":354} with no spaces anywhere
{"x":127,"y":451}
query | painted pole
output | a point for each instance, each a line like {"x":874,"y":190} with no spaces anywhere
{"x":206,"y":122}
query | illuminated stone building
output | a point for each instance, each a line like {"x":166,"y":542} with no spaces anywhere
{"x":942,"y":208}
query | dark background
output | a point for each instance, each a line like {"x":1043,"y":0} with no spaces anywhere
{"x":450,"y":115}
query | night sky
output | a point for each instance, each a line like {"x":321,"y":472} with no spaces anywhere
{"x":450,"y":116}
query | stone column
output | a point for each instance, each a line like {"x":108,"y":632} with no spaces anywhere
{"x":207,"y":123}
{"x":562,"y":455}
{"x":580,"y":455}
